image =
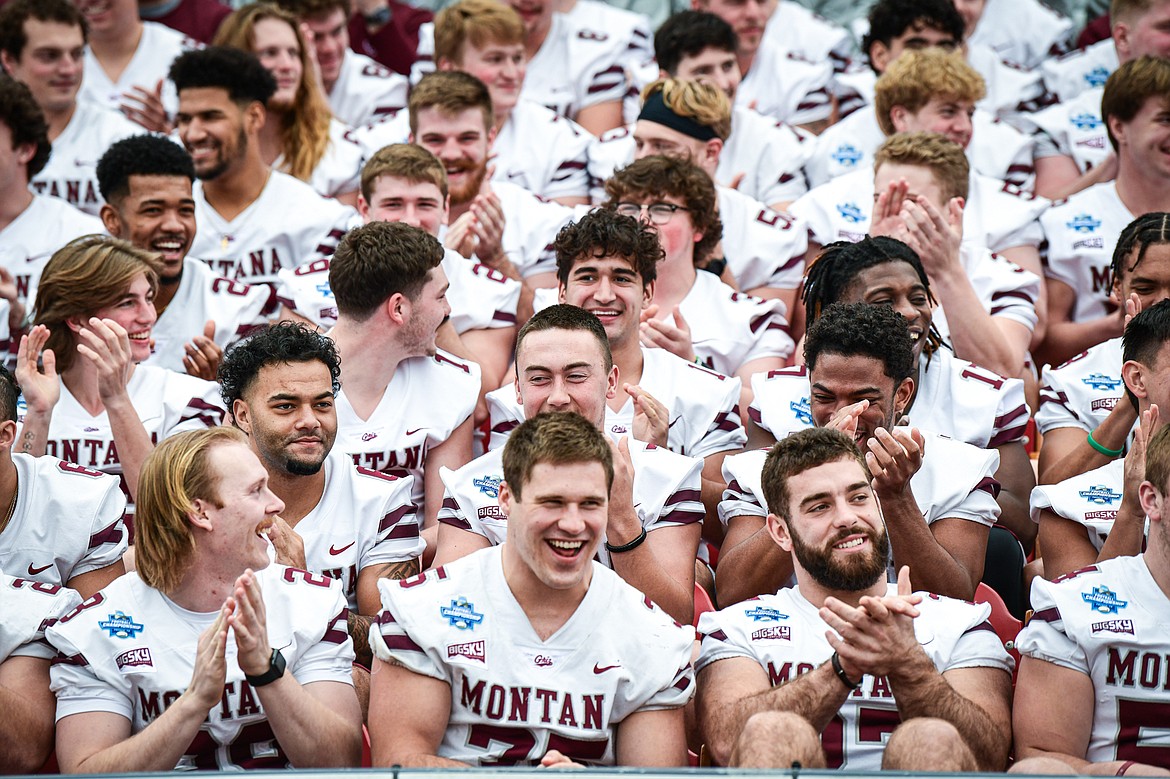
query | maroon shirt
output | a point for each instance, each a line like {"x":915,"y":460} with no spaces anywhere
{"x":197,"y":19}
{"x":394,"y":44}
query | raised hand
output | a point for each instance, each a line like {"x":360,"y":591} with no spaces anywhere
{"x":651,"y":418}
{"x":40,"y":384}
{"x":203,"y":354}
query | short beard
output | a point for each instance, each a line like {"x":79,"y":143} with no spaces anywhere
{"x":466,"y":194}
{"x":302,"y":468}
{"x":226,"y":163}
{"x":832,"y":574}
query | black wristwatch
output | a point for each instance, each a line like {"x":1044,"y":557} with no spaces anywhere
{"x":276,"y":665}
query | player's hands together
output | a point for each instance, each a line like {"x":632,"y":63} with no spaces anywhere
{"x":651,"y":418}
{"x":554,"y":759}
{"x":893,"y":458}
{"x":876,"y":637}
{"x":624,"y":525}
{"x":248,"y":621}
{"x":210,"y":672}
{"x":673,"y":335}
{"x":145,"y":107}
{"x":106,"y":344}
{"x":203,"y":354}
{"x":39,"y":384}
{"x":487,"y":226}
{"x":934,"y":237}
{"x":290,"y":547}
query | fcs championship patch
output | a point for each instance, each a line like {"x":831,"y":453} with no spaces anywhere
{"x":461,"y":614}
{"x":121,"y":625}
{"x":1104,"y":600}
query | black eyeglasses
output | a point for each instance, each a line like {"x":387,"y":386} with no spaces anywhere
{"x":659,"y":213}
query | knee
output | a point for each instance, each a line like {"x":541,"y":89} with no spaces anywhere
{"x":1041,"y":765}
{"x":928,"y":744}
{"x":777,"y":739}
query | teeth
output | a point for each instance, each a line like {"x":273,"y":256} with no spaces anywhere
{"x":573,"y":545}
{"x":851,"y":544}
{"x":140,"y":337}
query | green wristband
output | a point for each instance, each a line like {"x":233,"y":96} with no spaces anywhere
{"x":1107,"y":452}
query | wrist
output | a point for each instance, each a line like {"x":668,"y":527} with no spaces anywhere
{"x":850,"y":678}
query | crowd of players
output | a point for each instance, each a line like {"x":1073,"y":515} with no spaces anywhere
{"x":849,"y":328}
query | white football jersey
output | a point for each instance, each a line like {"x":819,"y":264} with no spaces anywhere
{"x":71,"y":172}
{"x":703,"y":407}
{"x":428,"y":398}
{"x":638,"y":59}
{"x":129,"y":650}
{"x":1082,"y":392}
{"x":1081,"y":234}
{"x":166,"y":401}
{"x":383,"y":132}
{"x":26,"y":609}
{"x":157,"y":49}
{"x":480,"y":297}
{"x":530,"y":227}
{"x":1011,"y":89}
{"x":772,"y":156}
{"x":996,"y":215}
{"x":617,"y":654}
{"x":262,"y":239}
{"x":577,"y":66}
{"x":667,"y":493}
{"x":340,"y":169}
{"x":1076,"y":128}
{"x":1004,"y":288}
{"x":785,"y":634}
{"x":364,"y":518}
{"x":1080,"y":69}
{"x":543,"y":152}
{"x":1081,"y":622}
{"x":1026,"y":32}
{"x":763,"y":248}
{"x":956,"y":481}
{"x":729,"y":328}
{"x":67,"y":521}
{"x":366,"y":91}
{"x":997,"y":150}
{"x":28,"y":241}
{"x":785,"y":85}
{"x":238,"y":309}
{"x":955,"y":398}
{"x":1090,"y":499}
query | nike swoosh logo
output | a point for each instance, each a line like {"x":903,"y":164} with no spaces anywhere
{"x":412,"y":432}
{"x":34,"y":571}
{"x":335,"y":550}
{"x":600,"y":669}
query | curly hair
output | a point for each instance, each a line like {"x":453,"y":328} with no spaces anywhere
{"x":140,"y":155}
{"x":478,"y":22}
{"x":917,"y":77}
{"x":378,"y":260}
{"x":650,"y":178}
{"x":220,"y":67}
{"x":22,"y":116}
{"x":799,"y":452}
{"x":278,"y":344}
{"x":1152,"y":229}
{"x":606,"y":233}
{"x":84,"y":275}
{"x":304,"y":126}
{"x":889,"y":19}
{"x":859,"y":329}
{"x":688,"y":34}
{"x":13,"y":16}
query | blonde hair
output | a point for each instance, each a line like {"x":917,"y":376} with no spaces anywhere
{"x":84,"y":275}
{"x":174,"y":476}
{"x":406,"y":161}
{"x":703,"y":103}
{"x":946,"y":159}
{"x":304,"y":128}
{"x":478,"y":22}
{"x":912,"y":80}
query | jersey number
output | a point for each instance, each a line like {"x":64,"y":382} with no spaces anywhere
{"x":253,"y":747}
{"x":229,"y":286}
{"x":987,"y":378}
{"x":873,"y":726}
{"x":521,"y":744}
{"x":1132,"y":716}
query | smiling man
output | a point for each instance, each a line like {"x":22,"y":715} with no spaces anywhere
{"x":532,"y":617}
{"x":146,"y":181}
{"x":883,"y":678}
{"x":349,"y":523}
{"x":147,"y":678}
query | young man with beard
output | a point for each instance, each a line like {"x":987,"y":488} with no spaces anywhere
{"x":147,"y":677}
{"x":535,"y":621}
{"x":822,"y":673}
{"x":242,"y":206}
{"x":496,"y":223}
{"x":564,"y":363}
{"x":42,"y":45}
{"x":347,"y":522}
{"x":146,"y":182}
{"x":937,"y":495}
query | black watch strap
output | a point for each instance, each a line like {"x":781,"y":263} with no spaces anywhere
{"x":276,"y":665}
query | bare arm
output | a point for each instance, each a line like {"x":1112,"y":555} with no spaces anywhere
{"x":750,"y":562}
{"x":732,"y":690}
{"x":712,"y":492}
{"x":1059,"y":177}
{"x":456,"y":542}
{"x":28,"y":707}
{"x":1067,"y":453}
{"x":1066,"y":338}
{"x":370,"y":602}
{"x":453,"y":453}
{"x":41,"y":387}
{"x":409,"y":713}
{"x":492,"y":349}
{"x":86,"y":584}
{"x":651,"y":739}
{"x":1044,"y":730}
{"x":600,"y":118}
{"x":1016,"y":480}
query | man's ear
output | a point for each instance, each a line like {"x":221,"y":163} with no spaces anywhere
{"x":1134,"y":375}
{"x":7,"y":434}
{"x":398,"y":308}
{"x":879,"y":56}
{"x":505,"y":498}
{"x":778,"y":530}
{"x":111,"y":219}
{"x":898,"y":116}
{"x":255,"y":115}
{"x":902,"y":397}
{"x":198,"y":516}
{"x":242,"y":415}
